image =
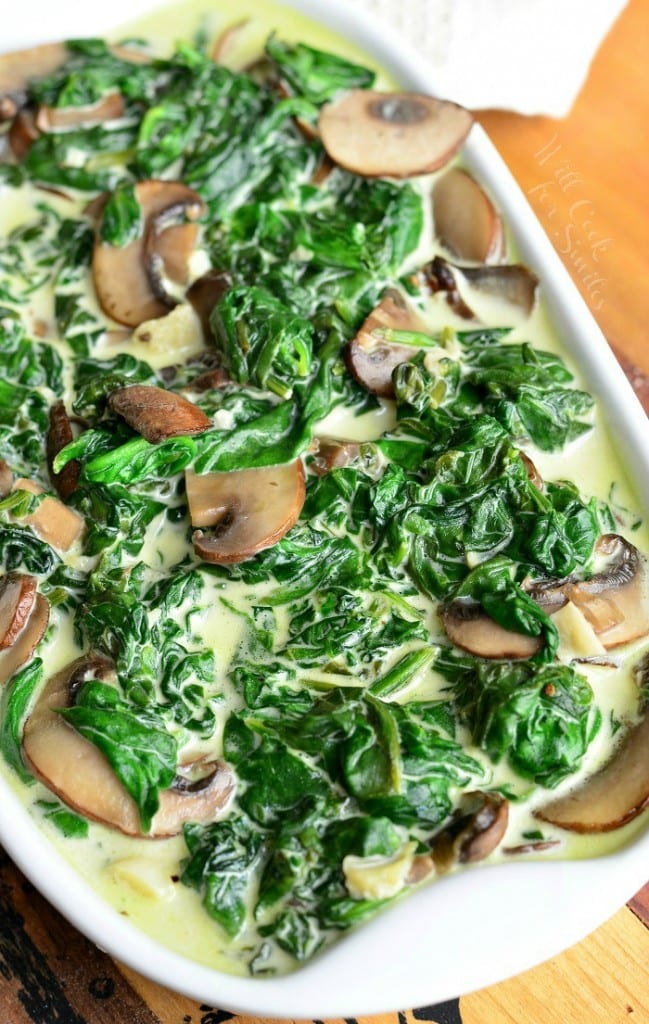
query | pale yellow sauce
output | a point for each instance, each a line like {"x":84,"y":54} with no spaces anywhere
{"x":139,"y":876}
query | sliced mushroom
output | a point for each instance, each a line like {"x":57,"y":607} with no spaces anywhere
{"x":614,"y":600}
{"x":466,"y":221}
{"x":26,"y":639}
{"x":392,"y":134}
{"x":81,"y":776}
{"x":22,"y":133}
{"x":17,"y":596}
{"x":533,"y":474}
{"x":514,"y":283}
{"x":370,"y":358}
{"x":121,"y":273}
{"x":246,"y":510}
{"x":108,"y":108}
{"x":612,"y":796}
{"x":474,"y":831}
{"x":168,"y":246}
{"x":469,"y":627}
{"x":333,"y":454}
{"x":58,"y":436}
{"x":205,"y":293}
{"x":157,"y":414}
{"x":17,"y":69}
{"x":439,"y":276}
{"x":53,"y":521}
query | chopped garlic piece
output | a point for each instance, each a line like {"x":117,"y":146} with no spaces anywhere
{"x":378,"y":878}
{"x":170,"y":339}
{"x":577,"y":637}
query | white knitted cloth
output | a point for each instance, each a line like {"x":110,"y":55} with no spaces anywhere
{"x":526,"y":55}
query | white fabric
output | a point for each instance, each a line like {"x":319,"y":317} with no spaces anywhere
{"x":531,"y":56}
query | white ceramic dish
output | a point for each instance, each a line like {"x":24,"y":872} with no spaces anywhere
{"x":463,"y":932}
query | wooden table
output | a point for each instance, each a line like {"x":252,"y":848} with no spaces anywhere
{"x":587,"y":177}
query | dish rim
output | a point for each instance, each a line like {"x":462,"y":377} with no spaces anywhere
{"x":515,"y":900}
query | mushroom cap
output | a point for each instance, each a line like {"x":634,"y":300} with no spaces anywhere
{"x":108,"y":108}
{"x":394,"y":135}
{"x":157,"y":414}
{"x":82,"y":778}
{"x":17,"y":596}
{"x":469,"y":627}
{"x":58,"y":436}
{"x":26,"y":640}
{"x":466,"y":221}
{"x":332,"y":453}
{"x":612,"y":796}
{"x":474,"y":831}
{"x":246,"y":510}
{"x":371,"y":359}
{"x":615,"y":600}
{"x":121,"y":273}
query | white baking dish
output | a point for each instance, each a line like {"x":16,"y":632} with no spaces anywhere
{"x":463,"y":932}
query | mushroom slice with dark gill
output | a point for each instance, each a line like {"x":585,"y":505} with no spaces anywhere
{"x":372,"y":359}
{"x":58,"y":436}
{"x":17,"y":596}
{"x":333,"y":454}
{"x":22,"y":133}
{"x":25,"y":616}
{"x":157,"y":414}
{"x":169,"y":241}
{"x":396,"y":135}
{"x":615,"y":600}
{"x":474,"y":831}
{"x":469,"y":627}
{"x":611,"y":797}
{"x":466,"y":221}
{"x":121,"y":274}
{"x":244,"y":511}
{"x":81,"y":776}
{"x":513,"y":283}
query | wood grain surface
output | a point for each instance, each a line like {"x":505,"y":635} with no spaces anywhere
{"x":587,"y":178}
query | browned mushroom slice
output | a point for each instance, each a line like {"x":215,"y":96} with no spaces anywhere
{"x":468,"y":626}
{"x":17,"y":69}
{"x":466,"y":221}
{"x":370,"y":357}
{"x":26,"y":640}
{"x":439,"y":276}
{"x":22,"y":133}
{"x":108,"y":108}
{"x":612,"y":796}
{"x":17,"y":596}
{"x":53,"y":521}
{"x":157,"y":414}
{"x":80,"y":775}
{"x":246,"y":510}
{"x":514,"y":283}
{"x":614,"y":600}
{"x":168,"y":247}
{"x":533,"y":474}
{"x":121,"y":274}
{"x":58,"y":436}
{"x":392,"y":134}
{"x":474,"y":831}
{"x":205,"y":293}
{"x":333,"y":454}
